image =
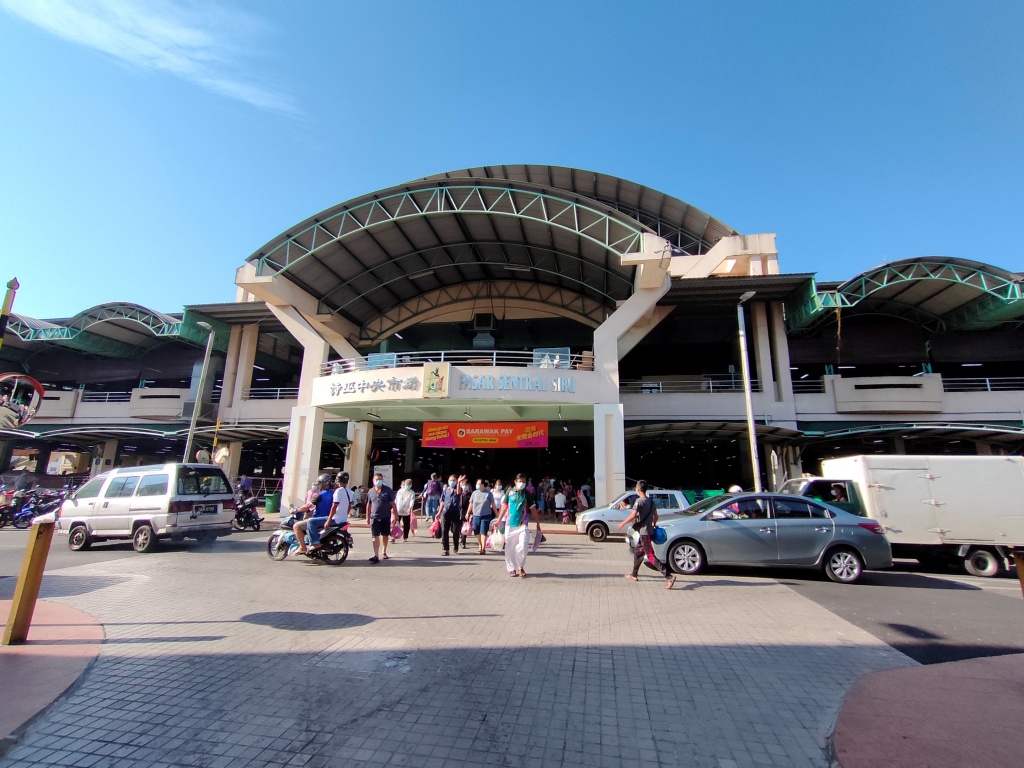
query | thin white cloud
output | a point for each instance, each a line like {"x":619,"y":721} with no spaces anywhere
{"x":202,"y":43}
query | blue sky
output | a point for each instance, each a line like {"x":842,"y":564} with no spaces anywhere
{"x":147,"y":147}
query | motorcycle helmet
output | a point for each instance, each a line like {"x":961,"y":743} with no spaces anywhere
{"x":324,"y":480}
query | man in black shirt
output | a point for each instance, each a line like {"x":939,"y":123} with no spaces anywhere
{"x":644,"y":518}
{"x":382,"y":513}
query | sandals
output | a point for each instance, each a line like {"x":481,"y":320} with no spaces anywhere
{"x":522,"y":573}
{"x":670,"y":582}
{"x":385,"y":556}
{"x":374,"y":559}
{"x":513,"y":574}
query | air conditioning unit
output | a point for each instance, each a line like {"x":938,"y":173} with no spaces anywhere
{"x":206,"y":411}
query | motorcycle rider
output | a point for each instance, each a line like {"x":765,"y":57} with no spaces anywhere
{"x":320,"y":505}
{"x":341,"y":502}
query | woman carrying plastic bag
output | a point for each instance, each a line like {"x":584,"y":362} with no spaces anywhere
{"x":518,"y":504}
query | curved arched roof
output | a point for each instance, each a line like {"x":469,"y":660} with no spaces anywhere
{"x":939,"y":292}
{"x":114,"y":329}
{"x":410,"y":251}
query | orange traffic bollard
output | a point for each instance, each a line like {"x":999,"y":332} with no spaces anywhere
{"x":29,"y":580}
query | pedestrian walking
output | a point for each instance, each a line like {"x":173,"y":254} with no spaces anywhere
{"x":483,"y":512}
{"x":519,"y":503}
{"x":449,"y":515}
{"x":382,"y":514}
{"x":405,"y":501}
{"x":431,"y":497}
{"x":644,"y":517}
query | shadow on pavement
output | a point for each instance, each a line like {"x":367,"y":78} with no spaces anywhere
{"x":56,"y":585}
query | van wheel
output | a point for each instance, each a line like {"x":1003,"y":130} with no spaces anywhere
{"x":982,"y":562}
{"x":144,"y":539}
{"x":598,"y":532}
{"x":78,"y":539}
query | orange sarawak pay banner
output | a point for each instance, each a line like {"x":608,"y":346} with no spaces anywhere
{"x":485,"y":434}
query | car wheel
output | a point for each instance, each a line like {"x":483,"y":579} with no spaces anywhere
{"x":844,"y":566}
{"x":982,"y":562}
{"x":144,"y":539}
{"x":78,"y":539}
{"x":598,"y":532}
{"x":687,"y":558}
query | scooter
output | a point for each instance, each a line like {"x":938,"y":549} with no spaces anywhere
{"x":335,"y":542}
{"x":246,"y":515}
{"x":39,"y":503}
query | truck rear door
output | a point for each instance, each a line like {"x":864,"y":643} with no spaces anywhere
{"x":901,"y":500}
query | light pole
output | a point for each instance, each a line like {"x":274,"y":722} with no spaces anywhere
{"x":745,"y":367}
{"x":199,"y":392}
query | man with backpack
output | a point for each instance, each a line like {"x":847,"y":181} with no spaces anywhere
{"x":644,"y":518}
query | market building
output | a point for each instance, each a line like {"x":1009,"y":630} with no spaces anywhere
{"x":538,"y":319}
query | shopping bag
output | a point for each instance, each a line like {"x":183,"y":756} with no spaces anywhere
{"x":435,"y":529}
{"x":497,"y":540}
{"x":537,"y":539}
{"x":467,"y":528}
{"x":413,"y":525}
{"x":396,"y":532}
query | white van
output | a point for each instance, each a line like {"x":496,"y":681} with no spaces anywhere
{"x":146,"y":504}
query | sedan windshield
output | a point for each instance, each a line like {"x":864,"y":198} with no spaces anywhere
{"x":702,"y":506}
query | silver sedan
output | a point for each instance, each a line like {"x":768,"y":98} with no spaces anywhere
{"x":771,"y":529}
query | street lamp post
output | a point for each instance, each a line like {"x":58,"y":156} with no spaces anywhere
{"x":745,"y":367}
{"x":199,"y":392}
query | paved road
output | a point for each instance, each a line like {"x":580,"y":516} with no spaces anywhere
{"x":223,"y":658}
{"x":931,"y":616}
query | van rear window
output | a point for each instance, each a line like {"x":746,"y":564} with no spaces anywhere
{"x":152,"y":485}
{"x":193,"y":481}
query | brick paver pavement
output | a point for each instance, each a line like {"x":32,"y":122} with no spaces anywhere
{"x":221,"y":657}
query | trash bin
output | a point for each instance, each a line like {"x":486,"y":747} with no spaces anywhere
{"x":272,"y":504}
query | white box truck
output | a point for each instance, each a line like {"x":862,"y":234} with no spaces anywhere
{"x":936,"y":509}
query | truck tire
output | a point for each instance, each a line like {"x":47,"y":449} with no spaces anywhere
{"x":982,"y":562}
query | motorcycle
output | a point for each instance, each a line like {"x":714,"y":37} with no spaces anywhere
{"x":39,"y":503}
{"x":335,"y":543}
{"x":246,"y":515}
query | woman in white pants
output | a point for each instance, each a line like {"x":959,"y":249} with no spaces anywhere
{"x":518,"y":504}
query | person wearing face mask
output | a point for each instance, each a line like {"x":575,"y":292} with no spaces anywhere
{"x":519,"y":503}
{"x":404,"y":503}
{"x":464,"y":512}
{"x":382,"y":514}
{"x":482,"y":506}
{"x":449,"y":514}
{"x":498,"y":493}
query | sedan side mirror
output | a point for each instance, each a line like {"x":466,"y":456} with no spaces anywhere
{"x":718,"y":515}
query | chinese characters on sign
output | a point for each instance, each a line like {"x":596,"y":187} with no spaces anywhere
{"x":394,"y":384}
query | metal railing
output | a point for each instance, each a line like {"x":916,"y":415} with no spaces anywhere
{"x":1007,"y":384}
{"x":710,"y":384}
{"x":471,"y":357}
{"x":270,"y":393}
{"x":808,"y":386}
{"x":106,"y":397}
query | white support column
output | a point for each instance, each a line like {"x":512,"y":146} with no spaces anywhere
{"x":104,"y":457}
{"x":609,"y":452}
{"x":247,"y":343}
{"x":762,"y":354}
{"x":302,"y":461}
{"x":357,"y":462}
{"x":780,"y":353}
{"x":234,"y":458}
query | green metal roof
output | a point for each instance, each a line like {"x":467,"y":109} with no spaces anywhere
{"x":940,"y":293}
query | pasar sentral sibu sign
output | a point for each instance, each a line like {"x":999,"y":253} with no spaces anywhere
{"x":518,"y":383}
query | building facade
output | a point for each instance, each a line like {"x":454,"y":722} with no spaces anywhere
{"x":538,"y":319}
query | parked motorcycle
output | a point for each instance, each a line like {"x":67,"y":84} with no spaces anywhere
{"x":38,"y":503}
{"x":246,"y":514}
{"x":335,"y":543}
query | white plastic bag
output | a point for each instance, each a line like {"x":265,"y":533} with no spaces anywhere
{"x":496,"y":540}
